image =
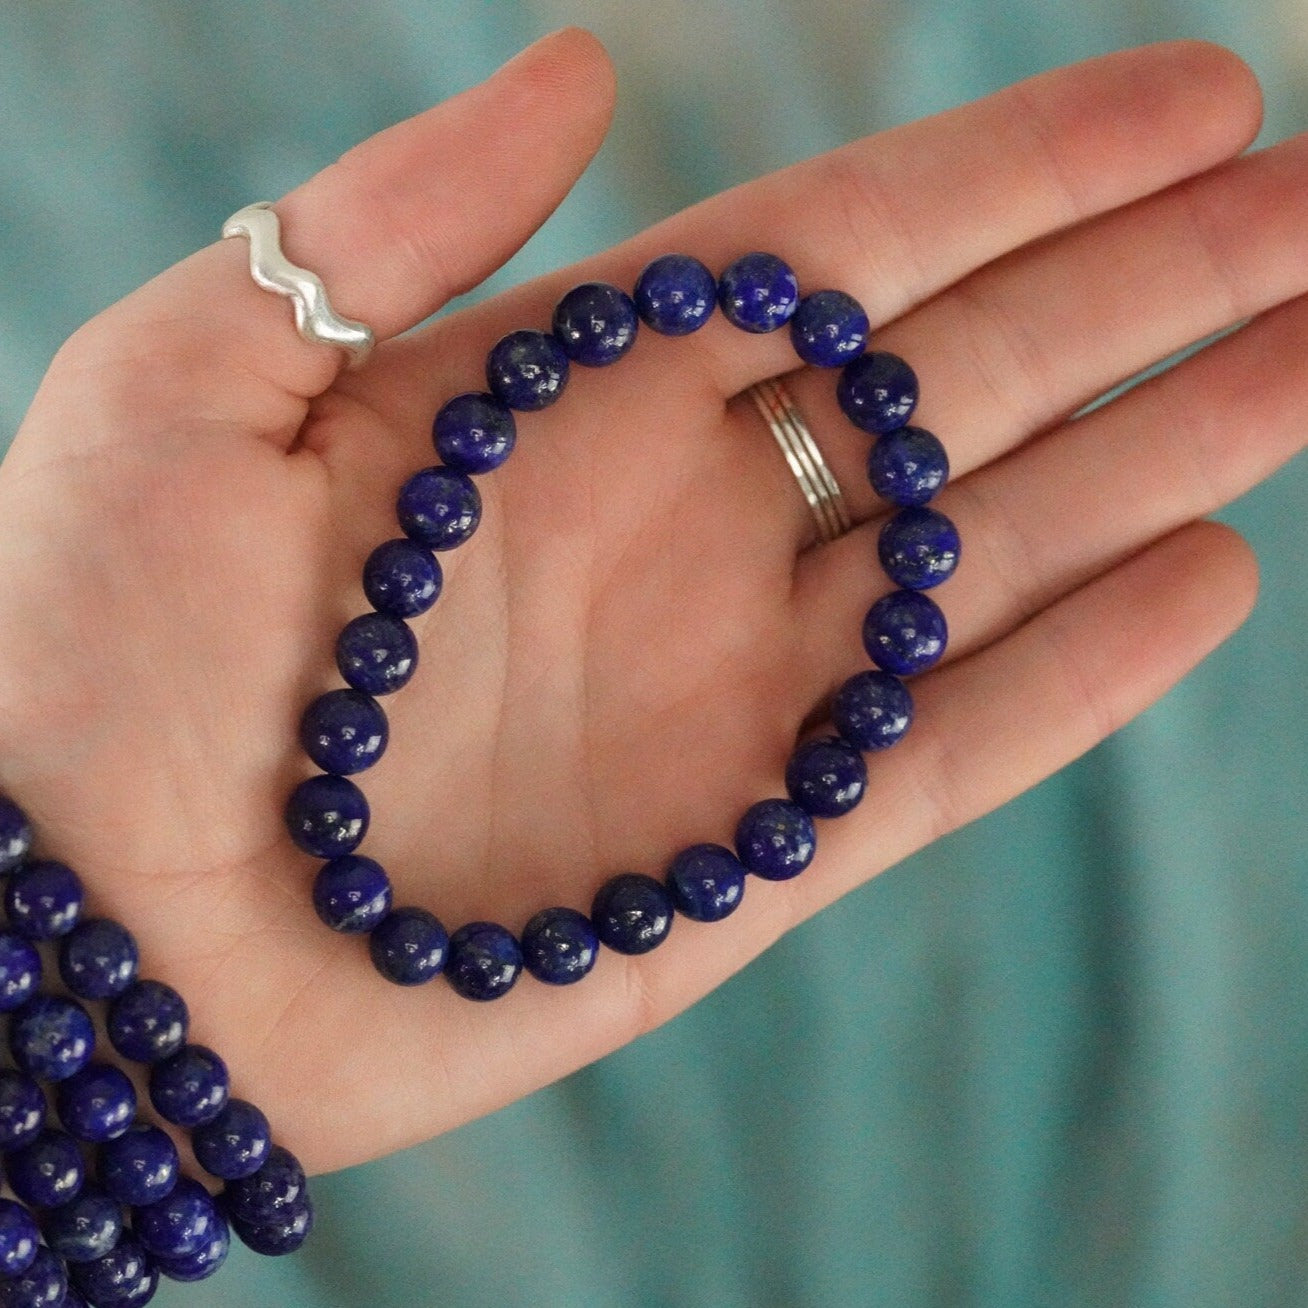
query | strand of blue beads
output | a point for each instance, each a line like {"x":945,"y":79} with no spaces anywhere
{"x":108,"y":1238}
{"x":345,"y":731}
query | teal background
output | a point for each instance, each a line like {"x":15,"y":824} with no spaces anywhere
{"x":1058,"y":1058}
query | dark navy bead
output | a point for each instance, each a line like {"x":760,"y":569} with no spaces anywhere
{"x":276,"y":1189}
{"x":20,"y":971}
{"x":327,"y":816}
{"x":907,"y":466}
{"x":97,"y":1103}
{"x":872,"y":710}
{"x":98,"y":958}
{"x":527,"y":369}
{"x":474,"y":432}
{"x":148,"y":1021}
{"x":877,"y":391}
{"x":376,"y":653}
{"x":344,"y":731}
{"x":775,"y":839}
{"x":408,"y":946}
{"x":179,"y":1223}
{"x":48,"y":1171}
{"x":43,"y":1284}
{"x":43,"y":899}
{"x":632,"y":913}
{"x":19,"y":1236}
{"x":125,"y":1277}
{"x":51,"y":1037}
{"x":15,"y":835}
{"x":22,"y":1109}
{"x":706,"y":882}
{"x":235,"y":1143}
{"x":905,"y":632}
{"x":758,"y":292}
{"x":190,"y":1086}
{"x":484,"y":960}
{"x":596,"y":324}
{"x":826,"y":777}
{"x":829,"y":329}
{"x":140,"y":1166}
{"x":86,"y":1227}
{"x":559,"y":945}
{"x":352,"y":893}
{"x":438,"y":507}
{"x":282,"y":1235}
{"x":203,"y":1261}
{"x":402,"y":578}
{"x":918,"y":548}
{"x":675,"y":294}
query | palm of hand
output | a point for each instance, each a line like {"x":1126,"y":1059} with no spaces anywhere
{"x":618,"y":665}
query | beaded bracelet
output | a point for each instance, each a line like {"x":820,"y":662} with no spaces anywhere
{"x":345,"y":731}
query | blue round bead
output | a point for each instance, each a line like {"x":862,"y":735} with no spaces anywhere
{"x":376,"y":653}
{"x":22,"y":1109}
{"x":327,"y":816}
{"x":97,"y":1103}
{"x":872,"y":710}
{"x":596,"y":324}
{"x":474,"y":432}
{"x":15,"y":835}
{"x":20,"y":971}
{"x":907,"y":466}
{"x":918,"y":548}
{"x":98,"y":958}
{"x":190,"y":1086}
{"x":905,"y":632}
{"x":51,"y":1037}
{"x":204,"y":1260}
{"x":282,"y":1235}
{"x":46,"y":1172}
{"x":877,"y":391}
{"x":85,"y":1227}
{"x":559,"y":946}
{"x":125,"y":1277}
{"x":43,"y":1284}
{"x":19,"y":1236}
{"x":675,"y":294}
{"x":632,"y":913}
{"x":235,"y":1143}
{"x":140,"y":1166}
{"x":527,"y":369}
{"x":344,"y":731}
{"x":826,"y":777}
{"x":402,"y":578}
{"x":276,"y":1189}
{"x":438,"y":507}
{"x":148,"y":1021}
{"x":829,"y":329}
{"x":775,"y":839}
{"x":484,"y":960}
{"x":43,"y":899}
{"x":408,"y":946}
{"x":352,"y":893}
{"x":758,"y":292}
{"x":706,"y":882}
{"x":179,"y":1223}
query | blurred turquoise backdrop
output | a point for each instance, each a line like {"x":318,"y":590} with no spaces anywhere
{"x":1058,"y":1059}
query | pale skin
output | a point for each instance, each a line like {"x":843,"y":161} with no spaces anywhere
{"x":626,"y":649}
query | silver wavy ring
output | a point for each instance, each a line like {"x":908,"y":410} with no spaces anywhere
{"x":315,"y":319}
{"x":816,"y":480}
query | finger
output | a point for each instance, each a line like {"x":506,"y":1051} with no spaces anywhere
{"x":398,"y":224}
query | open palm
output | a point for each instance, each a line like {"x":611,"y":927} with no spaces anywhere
{"x":625,"y":651}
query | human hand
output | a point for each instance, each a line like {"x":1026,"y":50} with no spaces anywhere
{"x":626,"y":648}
